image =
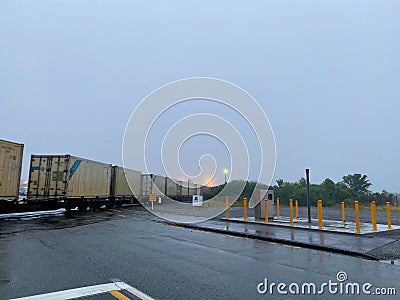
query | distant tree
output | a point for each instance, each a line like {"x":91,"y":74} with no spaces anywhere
{"x":358,"y":183}
{"x":343,"y":193}
{"x":302,"y":182}
{"x":247,"y":188}
{"x":280,"y":182}
{"x":328,"y":190}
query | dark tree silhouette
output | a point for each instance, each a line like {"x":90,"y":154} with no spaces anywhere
{"x":358,"y":183}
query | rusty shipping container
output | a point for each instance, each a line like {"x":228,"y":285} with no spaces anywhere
{"x":68,"y":177}
{"x":10,"y":169}
{"x":120,"y":187}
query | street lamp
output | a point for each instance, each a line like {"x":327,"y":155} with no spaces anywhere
{"x":308,"y":195}
{"x":225,"y":172}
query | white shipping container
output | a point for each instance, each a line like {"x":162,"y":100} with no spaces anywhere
{"x":67,"y":176}
{"x":10,"y":169}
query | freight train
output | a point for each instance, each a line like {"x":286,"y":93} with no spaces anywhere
{"x":73,"y":182}
{"x":10,"y":172}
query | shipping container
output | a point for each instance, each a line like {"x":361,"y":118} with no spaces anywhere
{"x":10,"y":169}
{"x":68,"y":177}
{"x":152,"y":183}
{"x":120,"y":187}
{"x":159,"y":184}
{"x":188,"y":188}
{"x":146,"y":185}
{"x":172,"y":188}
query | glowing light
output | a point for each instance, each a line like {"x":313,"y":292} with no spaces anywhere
{"x":208,"y":182}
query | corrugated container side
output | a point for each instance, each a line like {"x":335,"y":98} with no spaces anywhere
{"x":146,"y":185}
{"x":152,"y":184}
{"x":48,"y":176}
{"x":121,"y":187}
{"x":88,"y":178}
{"x":159,"y":184}
{"x":172,"y":189}
{"x":66,"y":176}
{"x":10,"y":169}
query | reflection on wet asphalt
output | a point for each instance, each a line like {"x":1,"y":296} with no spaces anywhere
{"x":64,"y":220}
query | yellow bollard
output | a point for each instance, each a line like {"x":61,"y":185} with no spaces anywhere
{"x":357,"y":213}
{"x":320,"y":214}
{"x":266,"y":210}
{"x":373,"y":216}
{"x":291,"y":211}
{"x":388,"y":215}
{"x":278,"y":211}
{"x":245,"y":208}
{"x":297,"y":209}
{"x":343,"y":216}
{"x":227,"y":207}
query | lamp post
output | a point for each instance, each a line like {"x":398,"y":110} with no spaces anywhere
{"x":308,"y":195}
{"x":225,"y":172}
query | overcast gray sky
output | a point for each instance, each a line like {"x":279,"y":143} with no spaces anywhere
{"x":327,"y":74}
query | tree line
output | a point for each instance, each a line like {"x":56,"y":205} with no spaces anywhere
{"x":352,"y":187}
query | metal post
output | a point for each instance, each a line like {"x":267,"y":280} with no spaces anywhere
{"x":373,"y":216}
{"x":245,"y":209}
{"x":151,"y":183}
{"x":389,"y":220}
{"x":278,"y":210}
{"x":357,"y":213}
{"x":297,"y":209}
{"x":320,"y":214}
{"x":343,"y":215}
{"x":227,"y":207}
{"x":291,"y":211}
{"x":266,"y":210}
{"x":308,"y":195}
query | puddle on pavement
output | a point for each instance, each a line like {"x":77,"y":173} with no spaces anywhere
{"x":394,"y":262}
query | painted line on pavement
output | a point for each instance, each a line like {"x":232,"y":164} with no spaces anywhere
{"x":134,"y":291}
{"x":89,"y":291}
{"x":118,"y":295}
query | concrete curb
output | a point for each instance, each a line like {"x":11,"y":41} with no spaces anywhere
{"x":302,"y":228}
{"x":275,"y":240}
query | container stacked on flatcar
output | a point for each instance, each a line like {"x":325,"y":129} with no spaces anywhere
{"x":172,"y":188}
{"x":75,"y":180}
{"x":121,"y":191}
{"x":70,"y":181}
{"x":152,"y":183}
{"x":10,"y":173}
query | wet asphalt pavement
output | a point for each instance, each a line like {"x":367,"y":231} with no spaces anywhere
{"x":56,"y":253}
